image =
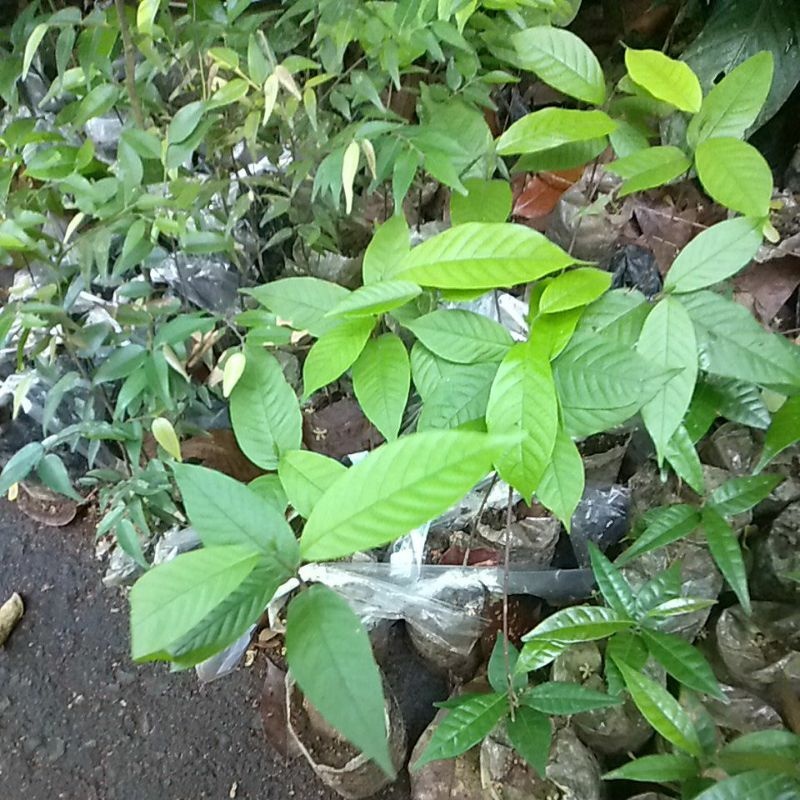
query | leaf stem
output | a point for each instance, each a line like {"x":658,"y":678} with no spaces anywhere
{"x":130,"y":64}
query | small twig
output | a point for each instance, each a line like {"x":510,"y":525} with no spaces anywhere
{"x":130,"y":64}
{"x":477,"y":519}
{"x":506,"y":568}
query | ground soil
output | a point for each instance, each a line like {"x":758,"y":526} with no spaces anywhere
{"x":80,"y":721}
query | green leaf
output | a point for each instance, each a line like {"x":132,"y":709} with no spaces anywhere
{"x":538,"y":653}
{"x":656,"y":769}
{"x":732,"y":344}
{"x":661,"y":710}
{"x":185,"y":121}
{"x":381,"y":380}
{"x":464,"y":726}
{"x":716,"y":254}
{"x":783,"y":431}
{"x":741,"y":402}
{"x":679,"y":606}
{"x":485,"y":201}
{"x":612,"y":583}
{"x":561,"y":486}
{"x":225,"y":512}
{"x":684,"y":662}
{"x":559,"y":699}
{"x":121,"y":363}
{"x":531,"y":733}
{"x":31,"y":46}
{"x":578,"y":287}
{"x":461,"y":336}
{"x":755,"y":785}
{"x":270,"y":489}
{"x":666,"y":79}
{"x":683,"y":458}
{"x":738,"y":495}
{"x":650,"y":167}
{"x":302,"y":303}
{"x":736,"y":175}
{"x":395,"y":488}
{"x":773,"y":750}
{"x":562,"y":60}
{"x":20,"y":465}
{"x":564,"y":156}
{"x":54,"y":475}
{"x":170,"y":600}
{"x":128,"y":541}
{"x":145,"y":16}
{"x":523,"y":401}
{"x":388,"y":247}
{"x":334,"y":353}
{"x":726,"y":553}
{"x":264,"y":410}
{"x":553,"y":127}
{"x":663,"y":586}
{"x":668,"y":341}
{"x":496,"y":669}
{"x":669,"y":525}
{"x":375,"y":298}
{"x":485,"y":255}
{"x":458,"y":396}
{"x":579,"y":624}
{"x":733,"y":105}
{"x":306,"y":476}
{"x":330,"y":657}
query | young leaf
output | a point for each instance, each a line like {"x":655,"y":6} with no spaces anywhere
{"x":754,"y":785}
{"x":381,"y":380}
{"x":538,"y":653}
{"x":661,"y":710}
{"x":461,"y":336}
{"x":738,"y":495}
{"x":306,"y":476}
{"x":496,"y":669}
{"x":726,"y":553}
{"x":579,"y":624}
{"x":562,"y":60}
{"x":578,"y":287}
{"x":330,"y":657}
{"x":482,"y":255}
{"x":465,"y":726}
{"x":395,"y":488}
{"x":668,"y":341}
{"x":352,"y":156}
{"x":783,"y":431}
{"x":264,"y":410}
{"x":165,"y":435}
{"x":645,"y":169}
{"x":485,"y":201}
{"x":559,"y":699}
{"x":387,"y":249}
{"x":733,"y":105}
{"x":561,"y":486}
{"x":612,"y":584}
{"x":553,"y":127}
{"x":523,"y":400}
{"x":334,"y":353}
{"x":20,"y":465}
{"x":376,"y":298}
{"x":679,"y":606}
{"x":664,"y":78}
{"x":31,"y":46}
{"x":669,"y":525}
{"x":531,"y":733}
{"x":234,"y":368}
{"x":684,"y":662}
{"x":736,"y":175}
{"x":656,"y":769}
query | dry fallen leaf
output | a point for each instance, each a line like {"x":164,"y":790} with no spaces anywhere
{"x":45,"y":506}
{"x":10,"y":614}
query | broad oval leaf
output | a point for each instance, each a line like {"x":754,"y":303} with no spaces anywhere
{"x":736,"y":175}
{"x":664,"y":78}
{"x":562,"y":60}
{"x":783,"y":431}
{"x":531,"y":734}
{"x":656,"y":769}
{"x":330,"y":657}
{"x":185,"y":121}
{"x":395,"y":488}
{"x":684,"y":662}
{"x":375,"y":298}
{"x":650,"y":167}
{"x":726,"y":553}
{"x":578,"y":287}
{"x":560,"y":699}
{"x":483,"y":255}
{"x":306,"y":476}
{"x":738,"y":495}
{"x":53,"y":473}
{"x":485,"y":201}
{"x":389,"y":245}
{"x":754,"y":785}
{"x":579,"y":624}
{"x":381,"y":380}
{"x":561,"y":486}
{"x":264,"y":410}
{"x":553,"y":127}
{"x":669,"y":525}
{"x":460,"y":396}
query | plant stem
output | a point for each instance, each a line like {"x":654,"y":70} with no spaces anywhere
{"x":130,"y":64}
{"x":506,"y":567}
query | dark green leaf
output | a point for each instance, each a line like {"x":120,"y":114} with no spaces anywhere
{"x":612,"y":584}
{"x":755,"y":785}
{"x":563,"y":699}
{"x":579,"y":624}
{"x":684,"y":662}
{"x":54,"y":475}
{"x":19,"y":465}
{"x":656,"y":769}
{"x":531,"y":733}
{"x":669,"y":525}
{"x":738,"y":495}
{"x":783,"y":431}
{"x":726,"y":553}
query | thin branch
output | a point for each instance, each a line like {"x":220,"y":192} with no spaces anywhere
{"x":130,"y":64}
{"x":506,"y":569}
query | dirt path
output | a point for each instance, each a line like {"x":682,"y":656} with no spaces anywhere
{"x":80,"y":721}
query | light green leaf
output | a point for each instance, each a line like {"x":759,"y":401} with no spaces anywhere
{"x":656,"y":769}
{"x":664,"y":78}
{"x":460,"y":395}
{"x":553,"y":127}
{"x":145,"y":16}
{"x":661,"y":710}
{"x":754,"y":785}
{"x":375,"y":298}
{"x":485,"y":255}
{"x":461,"y":336}
{"x":773,"y":750}
{"x":395,"y":488}
{"x":668,"y":525}
{"x":381,"y":380}
{"x":352,"y":156}
{"x":613,"y":586}
{"x":716,"y":254}
{"x":726,"y":553}
{"x":20,"y":465}
{"x":31,"y":46}
{"x":668,"y":341}
{"x":684,"y":662}
{"x":564,"y":156}
{"x":523,"y":401}
{"x":302,"y":303}
{"x":628,"y":139}
{"x":733,"y":105}
{"x":185,"y":121}
{"x":736,"y":175}
{"x":650,"y":167}
{"x":334,"y":353}
{"x":738,"y":495}
{"x":553,"y":332}
{"x":578,"y":624}
{"x":165,"y":435}
{"x":330,"y":657}
{"x":561,"y":486}
{"x":264,"y":410}
{"x":464,"y":726}
{"x":270,"y":489}
{"x":564,"y":699}
{"x":683,"y":458}
{"x":562,"y":60}
{"x":485,"y":201}
{"x":531,"y":733}
{"x":388,"y":247}
{"x":783,"y":431}
{"x":679,"y":606}
{"x":538,"y":653}
{"x":232,"y":92}
{"x":578,"y":287}
{"x":306,"y":476}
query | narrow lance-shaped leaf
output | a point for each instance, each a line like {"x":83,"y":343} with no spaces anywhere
{"x":531,"y":734}
{"x":656,"y":769}
{"x":738,"y":495}
{"x":783,"y":431}
{"x":496,"y":670}
{"x":612,"y":583}
{"x":684,"y":662}
{"x":563,"y":699}
{"x":670,"y":525}
{"x":376,"y":298}
{"x":19,"y":465}
{"x":561,"y":486}
{"x":754,"y":785}
{"x":726,"y":553}
{"x":579,"y":623}
{"x":683,"y":458}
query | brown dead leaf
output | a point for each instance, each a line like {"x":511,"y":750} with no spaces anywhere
{"x":765,"y":288}
{"x":339,"y":429}
{"x":541,"y":192}
{"x":45,"y":506}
